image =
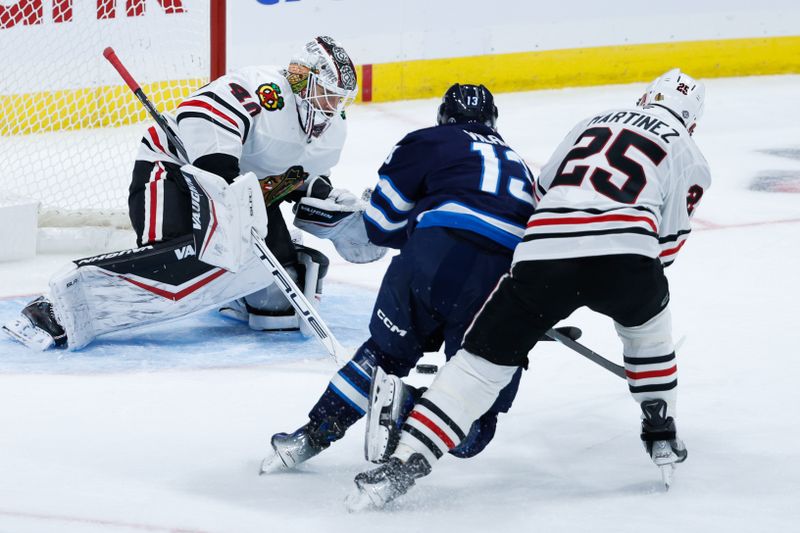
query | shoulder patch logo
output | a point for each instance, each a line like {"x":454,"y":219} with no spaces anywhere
{"x":269,"y":94}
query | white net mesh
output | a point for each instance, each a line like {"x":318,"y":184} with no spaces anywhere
{"x":69,"y":127}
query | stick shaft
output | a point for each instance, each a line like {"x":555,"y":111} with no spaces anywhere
{"x":594,"y":357}
{"x":134,"y":86}
{"x":301,"y":305}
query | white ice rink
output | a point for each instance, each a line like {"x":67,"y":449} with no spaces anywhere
{"x":164,"y":432}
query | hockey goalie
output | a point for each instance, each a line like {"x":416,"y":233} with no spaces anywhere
{"x":255,"y":138}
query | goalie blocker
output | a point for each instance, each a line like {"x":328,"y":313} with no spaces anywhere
{"x":157,"y":283}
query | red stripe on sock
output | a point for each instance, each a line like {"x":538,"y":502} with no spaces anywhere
{"x":428,"y":423}
{"x":652,"y":373}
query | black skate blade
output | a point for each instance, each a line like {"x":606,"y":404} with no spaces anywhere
{"x":572,"y":332}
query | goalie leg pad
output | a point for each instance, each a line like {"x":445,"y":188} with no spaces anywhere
{"x":270,"y":311}
{"x":143,"y":286}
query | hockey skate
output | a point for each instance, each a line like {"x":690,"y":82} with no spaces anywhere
{"x":37,"y":328}
{"x":390,"y":401}
{"x":235,"y":310}
{"x":283,"y":318}
{"x":660,"y":439}
{"x":378,"y":487}
{"x":291,"y":449}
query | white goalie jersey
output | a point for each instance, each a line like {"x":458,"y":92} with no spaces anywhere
{"x":625,"y":181}
{"x":250,"y":114}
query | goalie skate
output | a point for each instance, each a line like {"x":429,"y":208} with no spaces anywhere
{"x":378,"y":487}
{"x":37,"y":328}
{"x":235,"y":310}
{"x":389,"y":401}
{"x":663,"y":446}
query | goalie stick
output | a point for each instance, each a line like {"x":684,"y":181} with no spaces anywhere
{"x":293,"y":294}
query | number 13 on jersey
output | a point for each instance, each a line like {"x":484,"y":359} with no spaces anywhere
{"x":495,"y":172}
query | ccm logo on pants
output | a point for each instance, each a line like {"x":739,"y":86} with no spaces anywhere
{"x":388,"y":323}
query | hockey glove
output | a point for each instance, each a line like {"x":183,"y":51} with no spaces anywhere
{"x":223,"y":215}
{"x":274,"y":188}
{"x":339,"y":218}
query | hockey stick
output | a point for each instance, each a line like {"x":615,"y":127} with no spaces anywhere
{"x":594,"y":357}
{"x":298,"y":301}
{"x":293,"y":294}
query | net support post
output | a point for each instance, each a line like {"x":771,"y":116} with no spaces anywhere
{"x":217,"y":40}
{"x":18,"y":227}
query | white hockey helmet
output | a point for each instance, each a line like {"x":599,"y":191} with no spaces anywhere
{"x":323,"y":79}
{"x":683,"y":95}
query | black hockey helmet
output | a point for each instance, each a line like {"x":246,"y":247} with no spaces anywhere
{"x":467,"y":103}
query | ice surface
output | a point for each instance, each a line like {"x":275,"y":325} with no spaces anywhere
{"x":165,"y":432}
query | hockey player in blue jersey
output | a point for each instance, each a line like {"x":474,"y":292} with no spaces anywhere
{"x":454,"y":198}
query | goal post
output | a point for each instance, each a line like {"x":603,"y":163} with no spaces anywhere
{"x":69,"y":129}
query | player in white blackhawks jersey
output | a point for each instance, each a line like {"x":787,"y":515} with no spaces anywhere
{"x":614,"y":204}
{"x":259,"y":132}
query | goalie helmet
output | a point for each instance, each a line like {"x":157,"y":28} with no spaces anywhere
{"x":323,"y":79}
{"x":678,"y":92}
{"x":467,"y":103}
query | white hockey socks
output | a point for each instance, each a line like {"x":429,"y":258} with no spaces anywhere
{"x":464,"y":389}
{"x":650,"y":364}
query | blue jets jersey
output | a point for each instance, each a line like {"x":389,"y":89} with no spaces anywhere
{"x":461,"y":176}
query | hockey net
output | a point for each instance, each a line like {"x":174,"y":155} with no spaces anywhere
{"x":69,"y":128}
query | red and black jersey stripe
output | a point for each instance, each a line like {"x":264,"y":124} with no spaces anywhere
{"x":566,"y":223}
{"x":155,"y":140}
{"x":210,"y":107}
{"x":243,"y":116}
{"x":612,"y":231}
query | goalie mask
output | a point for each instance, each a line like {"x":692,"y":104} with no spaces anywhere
{"x":679,"y":93}
{"x":323,"y":79}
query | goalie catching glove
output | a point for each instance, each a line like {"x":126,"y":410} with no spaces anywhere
{"x":339,"y":218}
